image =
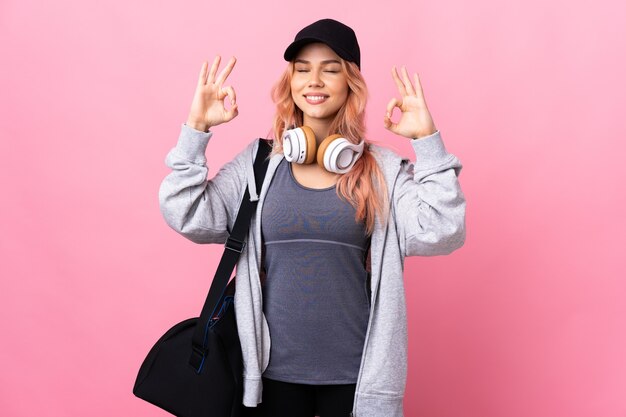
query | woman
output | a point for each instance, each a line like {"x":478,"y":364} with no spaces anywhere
{"x":320,"y":301}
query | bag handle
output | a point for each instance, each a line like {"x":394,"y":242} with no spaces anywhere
{"x":233,"y":248}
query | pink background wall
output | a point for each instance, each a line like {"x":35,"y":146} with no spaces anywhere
{"x":526,"y":320}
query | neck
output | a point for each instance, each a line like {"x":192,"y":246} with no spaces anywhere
{"x":320,"y":127}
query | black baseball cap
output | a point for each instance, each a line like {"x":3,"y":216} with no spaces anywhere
{"x":338,"y":36}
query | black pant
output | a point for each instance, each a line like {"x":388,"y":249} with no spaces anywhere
{"x":284,"y":399}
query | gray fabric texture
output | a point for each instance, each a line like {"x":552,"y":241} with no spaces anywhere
{"x":427,"y":218}
{"x":314,"y":295}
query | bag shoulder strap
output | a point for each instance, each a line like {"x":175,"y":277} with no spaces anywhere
{"x":233,"y":248}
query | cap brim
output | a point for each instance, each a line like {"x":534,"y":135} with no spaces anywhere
{"x":292,"y":50}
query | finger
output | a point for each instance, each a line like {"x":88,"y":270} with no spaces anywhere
{"x":389,"y":125}
{"x":232,"y":113}
{"x":386,"y":122}
{"x":226,"y":71}
{"x":203,"y":73}
{"x":230,"y":92}
{"x":394,"y":102}
{"x":418,"y":86}
{"x":407,"y":82}
{"x":214,"y":67}
{"x":399,"y":83}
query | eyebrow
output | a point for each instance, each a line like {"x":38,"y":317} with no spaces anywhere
{"x":328,"y":61}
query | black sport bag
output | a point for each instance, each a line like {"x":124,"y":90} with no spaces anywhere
{"x":196,"y":368}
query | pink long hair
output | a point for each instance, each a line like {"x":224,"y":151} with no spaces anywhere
{"x":364,"y":185}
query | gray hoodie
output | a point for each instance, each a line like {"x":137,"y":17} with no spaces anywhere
{"x":427,"y":217}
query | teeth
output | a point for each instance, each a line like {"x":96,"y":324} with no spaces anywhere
{"x":316,"y":98}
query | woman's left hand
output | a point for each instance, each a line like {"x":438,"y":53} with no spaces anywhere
{"x":415,"y":121}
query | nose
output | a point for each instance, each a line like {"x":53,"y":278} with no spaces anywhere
{"x":315,"y":79}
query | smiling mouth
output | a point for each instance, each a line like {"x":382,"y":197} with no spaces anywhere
{"x":315,"y":99}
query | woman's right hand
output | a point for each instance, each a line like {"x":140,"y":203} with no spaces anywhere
{"x":207,"y":108}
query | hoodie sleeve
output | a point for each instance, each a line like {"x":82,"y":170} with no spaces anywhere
{"x":428,"y":203}
{"x":201,"y":210}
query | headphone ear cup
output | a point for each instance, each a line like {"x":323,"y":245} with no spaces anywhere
{"x":311,"y":144}
{"x":322,"y":149}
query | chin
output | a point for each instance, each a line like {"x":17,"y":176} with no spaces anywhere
{"x":319,"y":115}
{"x":323,"y":114}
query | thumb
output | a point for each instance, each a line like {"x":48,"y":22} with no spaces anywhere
{"x":389,"y":124}
{"x":231,"y":113}
{"x":230,"y":92}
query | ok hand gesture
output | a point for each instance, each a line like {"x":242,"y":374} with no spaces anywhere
{"x":207,"y":107}
{"x":415,"y":121}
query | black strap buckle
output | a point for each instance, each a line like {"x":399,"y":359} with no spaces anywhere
{"x":235,"y":245}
